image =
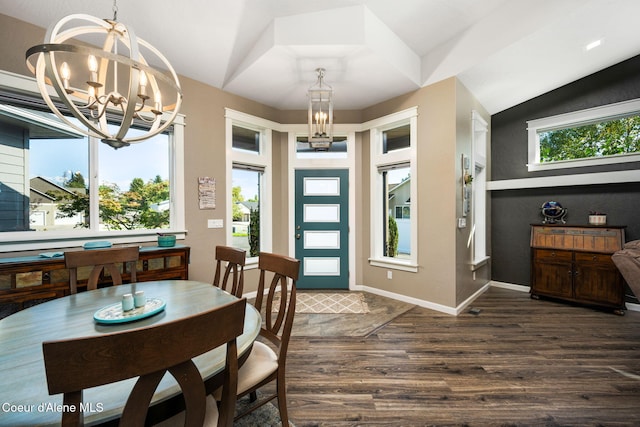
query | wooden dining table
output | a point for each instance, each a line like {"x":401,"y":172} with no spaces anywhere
{"x":24,"y":397}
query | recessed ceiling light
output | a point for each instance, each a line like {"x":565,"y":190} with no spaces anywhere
{"x":593,"y":45}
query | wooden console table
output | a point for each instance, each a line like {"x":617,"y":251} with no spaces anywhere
{"x":26,"y":281}
{"x":573,"y":263}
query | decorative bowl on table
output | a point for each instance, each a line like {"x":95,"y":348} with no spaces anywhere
{"x":166,"y":240}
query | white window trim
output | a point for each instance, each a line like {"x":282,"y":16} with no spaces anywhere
{"x":576,"y":118}
{"x":34,"y":240}
{"x":261,"y":159}
{"x":380,"y":159}
{"x":479,"y":232}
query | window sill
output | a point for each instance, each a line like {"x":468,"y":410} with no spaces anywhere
{"x":394,"y":264}
{"x":251,"y":263}
{"x":476,"y":264}
{"x":594,"y":161}
{"x":27,"y":241}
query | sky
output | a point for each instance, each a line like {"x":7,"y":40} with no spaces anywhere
{"x":56,"y":159}
{"x":248,"y":181}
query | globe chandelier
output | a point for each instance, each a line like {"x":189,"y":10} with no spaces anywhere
{"x":320,"y":113}
{"x":107,"y":89}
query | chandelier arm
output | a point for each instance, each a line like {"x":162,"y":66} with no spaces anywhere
{"x":58,"y":87}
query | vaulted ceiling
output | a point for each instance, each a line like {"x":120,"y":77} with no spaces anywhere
{"x":503,"y":51}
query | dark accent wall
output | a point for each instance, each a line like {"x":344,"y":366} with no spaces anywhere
{"x":513,"y":211}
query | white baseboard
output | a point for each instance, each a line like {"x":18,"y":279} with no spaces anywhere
{"x":511,"y":286}
{"x":633,"y":307}
{"x":410,"y":300}
{"x":426,"y":304}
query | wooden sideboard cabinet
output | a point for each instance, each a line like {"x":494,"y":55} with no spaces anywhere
{"x":26,"y":281}
{"x":573,"y":263}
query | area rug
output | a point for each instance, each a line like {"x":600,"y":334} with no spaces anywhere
{"x":266,"y":415}
{"x":380,"y":311}
{"x":331,"y":303}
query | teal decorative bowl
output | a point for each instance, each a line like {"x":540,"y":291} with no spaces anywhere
{"x":103,"y":244}
{"x":166,"y":240}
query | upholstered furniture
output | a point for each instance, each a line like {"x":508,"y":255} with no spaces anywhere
{"x":627,"y":260}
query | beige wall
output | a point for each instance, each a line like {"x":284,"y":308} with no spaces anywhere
{"x":205,"y":154}
{"x":15,"y":38}
{"x":435,"y":279}
{"x":467,"y":283}
{"x":444,"y":111}
{"x":444,"y":133}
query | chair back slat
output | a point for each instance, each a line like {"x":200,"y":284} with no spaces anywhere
{"x":235,"y":260}
{"x":101,"y":259}
{"x":278,"y":318}
{"x":80,"y":363}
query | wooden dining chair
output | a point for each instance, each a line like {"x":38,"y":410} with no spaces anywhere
{"x":235,"y":259}
{"x":148,"y":353}
{"x":100,"y":259}
{"x":267,"y":359}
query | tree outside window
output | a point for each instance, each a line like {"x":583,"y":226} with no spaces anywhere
{"x":246,"y":210}
{"x":607,"y":138}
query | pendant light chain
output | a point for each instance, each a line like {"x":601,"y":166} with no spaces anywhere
{"x":115,"y":10}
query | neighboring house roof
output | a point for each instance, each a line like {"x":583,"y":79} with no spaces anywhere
{"x":399,"y":194}
{"x":250,"y":205}
{"x":395,"y":188}
{"x":43,"y":185}
{"x":37,"y":196}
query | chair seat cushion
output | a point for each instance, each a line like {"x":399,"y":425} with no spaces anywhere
{"x":261,"y":363}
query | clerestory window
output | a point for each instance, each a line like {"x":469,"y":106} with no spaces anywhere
{"x":603,"y":135}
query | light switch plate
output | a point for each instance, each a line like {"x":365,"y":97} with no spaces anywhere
{"x":215,"y":223}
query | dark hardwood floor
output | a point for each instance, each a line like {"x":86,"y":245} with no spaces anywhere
{"x":520,"y":362}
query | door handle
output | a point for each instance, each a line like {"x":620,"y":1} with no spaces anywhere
{"x":298,"y":236}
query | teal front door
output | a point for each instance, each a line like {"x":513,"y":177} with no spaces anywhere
{"x":322,"y":228}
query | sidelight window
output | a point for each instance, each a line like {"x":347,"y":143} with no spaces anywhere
{"x":249,"y":175}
